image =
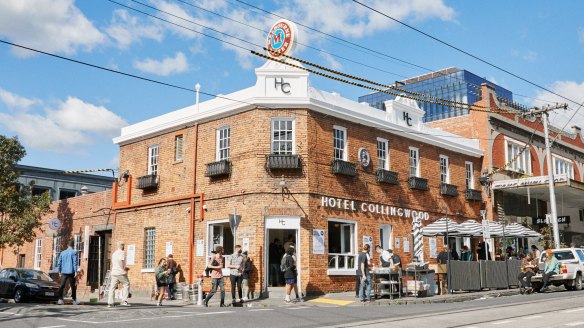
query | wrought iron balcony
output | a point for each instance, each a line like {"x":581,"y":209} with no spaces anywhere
{"x":148,"y":182}
{"x":385,"y":176}
{"x":473,"y":194}
{"x":448,"y":189}
{"x":418,"y":183}
{"x":217,"y":169}
{"x":278,"y":162}
{"x":345,"y":168}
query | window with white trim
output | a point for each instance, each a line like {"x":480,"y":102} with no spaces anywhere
{"x":563,"y":166}
{"x":282,"y":142}
{"x":153,"y":160}
{"x":414,"y":162}
{"x":340,"y":143}
{"x":38,"y":250}
{"x":341,"y":245}
{"x":56,"y":251}
{"x":444,"y":169}
{"x":382,"y":154}
{"x":220,"y":235}
{"x":178,"y":147}
{"x":223,"y":143}
{"x":522,"y":163}
{"x":149,"y":248}
{"x":469,"y":175}
{"x":78,"y":244}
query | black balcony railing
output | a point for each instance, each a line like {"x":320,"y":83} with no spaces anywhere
{"x":276,"y":162}
{"x":385,"y":176}
{"x":473,"y":194}
{"x":148,"y":182}
{"x":418,"y":183}
{"x":345,"y":168}
{"x":217,"y":169}
{"x":448,"y":189}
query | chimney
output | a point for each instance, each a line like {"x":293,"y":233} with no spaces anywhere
{"x":576,"y":129}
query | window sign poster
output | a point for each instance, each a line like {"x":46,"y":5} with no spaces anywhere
{"x":200,"y":247}
{"x":168,"y":248}
{"x":245,"y":244}
{"x":86,"y":242}
{"x":131,"y":255}
{"x":317,"y":241}
{"x":433,"y":248}
{"x":397,"y":242}
{"x":368,"y":240}
{"x":406,"y":244}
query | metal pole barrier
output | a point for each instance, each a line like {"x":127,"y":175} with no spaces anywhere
{"x":449,"y":290}
{"x":200,"y":290}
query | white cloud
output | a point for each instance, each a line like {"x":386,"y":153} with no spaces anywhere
{"x":70,"y":127}
{"x":571,"y":90}
{"x":175,"y":11}
{"x":331,"y":61}
{"x":165,"y":67}
{"x":14,"y":101}
{"x":50,"y":25}
{"x":126,"y":29}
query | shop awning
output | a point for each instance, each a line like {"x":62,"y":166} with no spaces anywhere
{"x":472,"y":227}
{"x":568,"y":192}
{"x":442,"y":227}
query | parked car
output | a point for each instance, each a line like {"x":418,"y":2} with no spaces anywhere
{"x":571,"y":269}
{"x":26,"y":285}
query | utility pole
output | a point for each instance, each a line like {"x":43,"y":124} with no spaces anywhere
{"x":543,"y":113}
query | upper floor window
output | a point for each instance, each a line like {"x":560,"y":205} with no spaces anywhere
{"x":382,"y":154}
{"x":340,"y":142}
{"x":178,"y":147}
{"x":563,"y":166}
{"x":282,"y":136}
{"x":469,"y":175}
{"x":223,"y":143}
{"x":149,"y":248}
{"x":153,"y":160}
{"x":56,"y":251}
{"x":414,"y":162}
{"x":515,"y":159}
{"x":444,"y":169}
{"x":38,"y":250}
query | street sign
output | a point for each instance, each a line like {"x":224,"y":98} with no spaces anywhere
{"x":486,"y":229}
{"x":540,"y":220}
{"x":234,"y":222}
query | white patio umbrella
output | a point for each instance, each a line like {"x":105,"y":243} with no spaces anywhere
{"x":518,"y":230}
{"x":472,"y":227}
{"x":442,"y":227}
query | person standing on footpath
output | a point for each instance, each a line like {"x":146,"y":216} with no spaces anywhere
{"x":216,"y":266}
{"x":173,"y":267}
{"x":67,"y":265}
{"x":235,"y":274}
{"x":291,"y":274}
{"x":246,"y":268}
{"x":119,"y":274}
{"x":364,"y":263}
{"x":161,"y":275}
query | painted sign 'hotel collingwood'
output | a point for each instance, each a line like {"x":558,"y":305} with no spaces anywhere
{"x":365,"y":207}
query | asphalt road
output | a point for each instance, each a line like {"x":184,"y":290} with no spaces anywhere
{"x":558,"y":309}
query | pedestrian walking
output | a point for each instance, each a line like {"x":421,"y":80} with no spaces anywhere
{"x":288,"y":265}
{"x":363,"y":266}
{"x":235,"y":274}
{"x":162,"y":274}
{"x":216,"y":265}
{"x":246,"y":265}
{"x":119,"y":274}
{"x":67,"y":265}
{"x":173,"y":267}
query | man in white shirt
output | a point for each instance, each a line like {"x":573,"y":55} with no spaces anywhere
{"x":119,"y":274}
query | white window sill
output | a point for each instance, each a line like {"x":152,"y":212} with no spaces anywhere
{"x":147,"y":270}
{"x":341,"y":272}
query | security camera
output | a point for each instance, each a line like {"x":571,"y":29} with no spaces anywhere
{"x":484,"y":181}
{"x":188,"y":210}
{"x":205,"y":207}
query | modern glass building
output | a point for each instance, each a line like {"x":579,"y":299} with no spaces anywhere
{"x":451,"y":84}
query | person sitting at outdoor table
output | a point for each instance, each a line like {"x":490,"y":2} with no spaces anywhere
{"x":453,"y":254}
{"x":395,"y":260}
{"x":499,"y":255}
{"x":443,"y":256}
{"x":528,"y":270}
{"x":552,"y":267}
{"x":466,"y":254}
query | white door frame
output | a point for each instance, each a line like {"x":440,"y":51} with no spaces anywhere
{"x":279,"y":222}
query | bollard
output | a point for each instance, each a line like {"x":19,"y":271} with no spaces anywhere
{"x":200,"y":290}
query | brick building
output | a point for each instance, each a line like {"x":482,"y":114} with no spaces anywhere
{"x":289,"y":160}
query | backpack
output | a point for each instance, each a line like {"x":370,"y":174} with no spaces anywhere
{"x":285,"y":264}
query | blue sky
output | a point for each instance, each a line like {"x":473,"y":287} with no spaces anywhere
{"x":66,"y":114}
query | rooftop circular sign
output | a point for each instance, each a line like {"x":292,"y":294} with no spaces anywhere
{"x":282,"y":38}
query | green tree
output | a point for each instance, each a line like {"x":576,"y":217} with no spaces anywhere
{"x":20,"y":211}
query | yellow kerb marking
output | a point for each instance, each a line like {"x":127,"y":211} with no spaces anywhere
{"x":331,"y":301}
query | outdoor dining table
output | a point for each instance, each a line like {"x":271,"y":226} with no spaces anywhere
{"x":393,"y":286}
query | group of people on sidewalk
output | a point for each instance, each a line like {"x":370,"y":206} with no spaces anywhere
{"x":239,"y":267}
{"x":365,"y":266}
{"x":529,"y":268}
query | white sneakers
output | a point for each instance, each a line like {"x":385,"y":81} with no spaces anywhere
{"x":60,"y":302}
{"x":125,"y":303}
{"x":76,"y":302}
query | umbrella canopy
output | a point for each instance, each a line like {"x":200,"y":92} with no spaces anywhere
{"x":472,"y":227}
{"x":518,"y":230}
{"x":497,"y":229}
{"x":418,"y":241}
{"x":442,"y":227}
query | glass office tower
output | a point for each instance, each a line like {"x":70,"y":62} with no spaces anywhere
{"x":451,"y":84}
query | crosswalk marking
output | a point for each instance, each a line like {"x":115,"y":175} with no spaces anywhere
{"x":573,"y":310}
{"x":502,"y":322}
{"x":574,"y":324}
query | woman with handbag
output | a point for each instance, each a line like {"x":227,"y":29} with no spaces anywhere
{"x":162,"y":273}
{"x":215,"y":266}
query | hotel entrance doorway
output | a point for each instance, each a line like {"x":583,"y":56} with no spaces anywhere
{"x":280,"y":240}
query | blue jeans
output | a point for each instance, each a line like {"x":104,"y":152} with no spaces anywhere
{"x":365,"y":284}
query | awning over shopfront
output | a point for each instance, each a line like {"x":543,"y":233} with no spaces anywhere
{"x":444,"y":226}
{"x":569,"y":192}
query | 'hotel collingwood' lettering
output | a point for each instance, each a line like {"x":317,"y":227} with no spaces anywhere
{"x":349,"y":205}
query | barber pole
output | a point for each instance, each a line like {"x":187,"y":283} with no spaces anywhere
{"x":418,"y":240}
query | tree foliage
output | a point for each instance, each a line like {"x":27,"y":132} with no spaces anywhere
{"x":20,"y":211}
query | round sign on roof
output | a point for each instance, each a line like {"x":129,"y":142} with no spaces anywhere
{"x":282,"y":38}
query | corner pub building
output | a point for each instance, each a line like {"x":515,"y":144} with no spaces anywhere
{"x":289,"y":160}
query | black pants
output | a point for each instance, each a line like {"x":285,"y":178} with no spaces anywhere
{"x":527,"y":282}
{"x":357,"y":285}
{"x":216,"y":282}
{"x":71,"y":278}
{"x":546,"y":278}
{"x":235,"y":280}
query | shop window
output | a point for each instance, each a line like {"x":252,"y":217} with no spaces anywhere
{"x":340,"y":143}
{"x":178,"y":148}
{"x":220,"y":235}
{"x":282,"y":142}
{"x":469,"y":175}
{"x":153,"y":160}
{"x":56,"y":251}
{"x":341,"y":247}
{"x":444,"y":169}
{"x":78,"y":246}
{"x":563,"y":166}
{"x":149,"y":248}
{"x":516,"y":158}
{"x":21,"y":261}
{"x":38,"y":249}
{"x":414,"y":162}
{"x":223,"y":144}
{"x":382,"y":154}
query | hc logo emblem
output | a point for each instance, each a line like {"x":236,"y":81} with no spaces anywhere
{"x":284,"y":86}
{"x":407,"y":118}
